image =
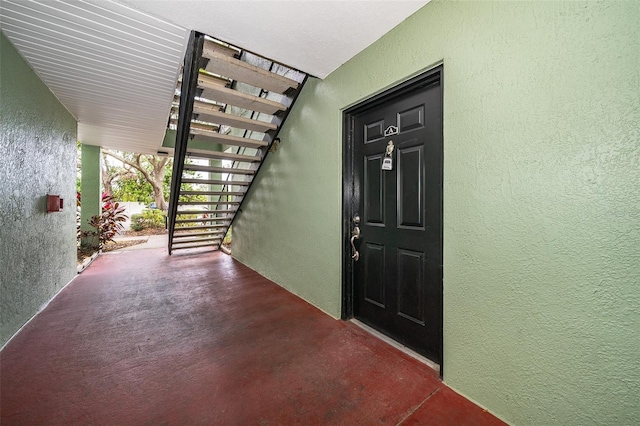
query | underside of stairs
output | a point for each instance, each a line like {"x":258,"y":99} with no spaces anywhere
{"x":229,"y":107}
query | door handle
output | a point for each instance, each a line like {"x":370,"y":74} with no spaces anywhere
{"x":355,"y":235}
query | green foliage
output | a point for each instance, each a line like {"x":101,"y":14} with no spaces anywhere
{"x":189,"y":187}
{"x":129,"y":174}
{"x":203,"y":216}
{"x":185,"y":217}
{"x":227,"y":238}
{"x":186,"y":187}
{"x":148,"y":219}
{"x":137,"y":177}
{"x":135,"y":188}
{"x":137,"y":223}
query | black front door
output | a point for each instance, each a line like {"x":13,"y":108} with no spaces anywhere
{"x":397,"y":280}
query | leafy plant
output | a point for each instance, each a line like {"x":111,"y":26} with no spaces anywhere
{"x":148,"y":219}
{"x":137,"y":222}
{"x":155,"y":218}
{"x":108,"y":223}
{"x":78,"y":219}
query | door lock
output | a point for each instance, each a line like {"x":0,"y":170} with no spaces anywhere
{"x":387,"y":161}
{"x":355,"y":234}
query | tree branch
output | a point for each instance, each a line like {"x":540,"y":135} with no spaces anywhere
{"x":135,"y":165}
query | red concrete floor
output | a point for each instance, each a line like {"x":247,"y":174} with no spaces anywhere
{"x":141,"y":338}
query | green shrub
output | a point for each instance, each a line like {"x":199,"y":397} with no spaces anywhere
{"x":154,"y":218}
{"x":148,"y":219}
{"x":137,"y":222}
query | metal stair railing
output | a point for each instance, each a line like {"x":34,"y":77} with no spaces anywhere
{"x":188,"y":89}
{"x":192,"y":81}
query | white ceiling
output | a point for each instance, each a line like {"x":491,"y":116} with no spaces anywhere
{"x":314,"y":36}
{"x":114,"y":65}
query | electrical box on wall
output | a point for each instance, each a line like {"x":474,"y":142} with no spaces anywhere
{"x":54,"y":203}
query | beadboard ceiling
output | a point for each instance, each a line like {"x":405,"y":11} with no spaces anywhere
{"x":114,"y":65}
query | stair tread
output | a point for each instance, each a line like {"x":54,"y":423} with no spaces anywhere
{"x":207,"y":212}
{"x":241,"y":71}
{"x":201,"y":153}
{"x":215,"y":182}
{"x":229,"y":139}
{"x":210,"y":127}
{"x":211,"y":46}
{"x":237,"y":98}
{"x":210,"y":193}
{"x":211,"y":219}
{"x":214,"y":169}
{"x":206,"y":203}
{"x":210,"y":104}
{"x":190,"y":231}
{"x":191,"y":228}
{"x":212,"y":113}
{"x":195,"y":240}
{"x":180,"y":247}
{"x":195,"y":234}
{"x":213,"y":79}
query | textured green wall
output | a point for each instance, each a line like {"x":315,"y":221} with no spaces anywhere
{"x":541,"y":200}
{"x":37,"y":157}
{"x":91,"y":197}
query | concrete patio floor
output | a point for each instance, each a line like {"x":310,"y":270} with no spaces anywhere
{"x":197,"y":338}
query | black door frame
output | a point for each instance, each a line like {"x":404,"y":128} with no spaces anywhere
{"x":427,"y":78}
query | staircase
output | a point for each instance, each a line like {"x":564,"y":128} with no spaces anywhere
{"x":230,"y":107}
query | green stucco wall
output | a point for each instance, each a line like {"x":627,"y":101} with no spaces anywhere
{"x":37,"y":157}
{"x":91,"y":200}
{"x":541,"y":200}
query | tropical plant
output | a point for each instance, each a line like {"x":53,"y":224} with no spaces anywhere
{"x":108,"y":223}
{"x":78,"y":219}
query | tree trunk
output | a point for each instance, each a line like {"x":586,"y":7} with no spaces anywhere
{"x":110,"y":174}
{"x":157,"y":179}
{"x":158,"y":195}
{"x":106,"y":176}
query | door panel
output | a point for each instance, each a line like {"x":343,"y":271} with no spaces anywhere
{"x":397,"y":282}
{"x":410,"y":285}
{"x":374,"y":191}
{"x":411,"y":119}
{"x":410,"y":195}
{"x":374,"y":131}
{"x":374,"y":274}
